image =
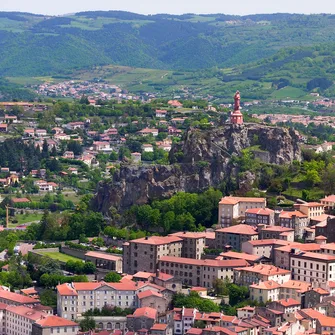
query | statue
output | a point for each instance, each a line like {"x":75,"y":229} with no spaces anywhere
{"x":237,"y":99}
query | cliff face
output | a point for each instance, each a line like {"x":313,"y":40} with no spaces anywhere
{"x":199,"y":161}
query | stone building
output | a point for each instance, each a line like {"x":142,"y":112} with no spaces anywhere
{"x":196,"y":272}
{"x":144,"y":253}
{"x":234,"y":236}
{"x":142,"y":318}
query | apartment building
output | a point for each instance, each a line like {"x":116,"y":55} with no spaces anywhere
{"x":196,"y":272}
{"x":263,"y":248}
{"x":260,"y":272}
{"x":295,"y":220}
{"x":294,"y":289}
{"x":276,"y":232}
{"x":231,"y":208}
{"x":234,"y":236}
{"x":256,"y":216}
{"x":265,"y":291}
{"x":282,"y":254}
{"x":23,"y":320}
{"x":326,"y":229}
{"x":311,"y":209}
{"x":193,"y":244}
{"x":312,"y":267}
{"x":328,"y":202}
{"x":76,"y":298}
{"x":143,"y":254}
{"x":183,"y":319}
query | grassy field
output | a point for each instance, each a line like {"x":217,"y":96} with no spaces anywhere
{"x":59,"y":256}
{"x":24,"y":218}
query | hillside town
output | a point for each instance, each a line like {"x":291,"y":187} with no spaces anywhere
{"x":260,"y":268}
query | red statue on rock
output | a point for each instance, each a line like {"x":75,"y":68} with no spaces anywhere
{"x":236,"y":116}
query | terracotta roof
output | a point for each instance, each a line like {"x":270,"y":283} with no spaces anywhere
{"x":235,"y":200}
{"x":149,"y":293}
{"x":26,"y":312}
{"x":101,"y":255}
{"x":330,"y":198}
{"x":326,"y":321}
{"x":267,"y":242}
{"x":298,"y":285}
{"x":300,"y":246}
{"x":288,"y":302}
{"x":86,"y":286}
{"x":328,"y":246}
{"x":55,"y":321}
{"x":189,"y":234}
{"x":238,"y":255}
{"x":164,"y":277}
{"x":204,"y":262}
{"x":322,"y":217}
{"x":266,"y":285}
{"x":66,"y":289}
{"x":148,"y":312}
{"x":321,"y":238}
{"x":276,"y":229}
{"x":290,"y":214}
{"x":315,"y":255}
{"x":20,"y":200}
{"x":159,"y":326}
{"x":321,"y":291}
{"x":265,"y":269}
{"x":158,"y":240}
{"x":18,"y":298}
{"x":312,"y":204}
{"x":260,"y":211}
{"x":30,"y":290}
{"x":194,"y":331}
{"x":199,"y":289}
{"x":142,"y":274}
{"x":241,"y":229}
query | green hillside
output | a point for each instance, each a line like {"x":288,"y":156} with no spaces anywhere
{"x":34,"y":45}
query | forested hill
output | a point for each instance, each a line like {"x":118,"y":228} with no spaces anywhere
{"x":40,"y":45}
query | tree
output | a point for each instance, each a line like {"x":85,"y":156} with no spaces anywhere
{"x":312,"y":177}
{"x":112,"y":277}
{"x":49,"y":298}
{"x":193,"y":300}
{"x":87,"y":324}
{"x":89,"y":268}
{"x":221,"y":287}
{"x":328,"y":180}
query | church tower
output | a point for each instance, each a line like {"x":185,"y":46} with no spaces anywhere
{"x":236,"y":116}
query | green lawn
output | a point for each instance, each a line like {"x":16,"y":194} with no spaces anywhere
{"x":24,"y":218}
{"x":58,"y":256}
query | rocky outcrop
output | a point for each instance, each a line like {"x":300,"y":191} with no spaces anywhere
{"x":201,"y":160}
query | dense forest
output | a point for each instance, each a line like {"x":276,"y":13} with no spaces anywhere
{"x":155,"y":41}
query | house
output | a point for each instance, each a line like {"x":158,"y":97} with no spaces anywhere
{"x":148,"y":131}
{"x":235,"y":207}
{"x":136,"y":157}
{"x":296,"y":220}
{"x":276,"y":232}
{"x":40,"y":132}
{"x":153,"y":299}
{"x":311,"y":209}
{"x":286,"y":306}
{"x":73,"y":170}
{"x":175,"y":103}
{"x":265,"y":291}
{"x":68,"y":155}
{"x":143,"y":318}
{"x":328,"y":202}
{"x":161,"y":113}
{"x":75,"y":125}
{"x":101,"y":146}
{"x":256,"y":216}
{"x":147,"y":148}
{"x":10,"y":118}
{"x":260,"y":272}
{"x":234,"y":236}
{"x":30,"y":132}
{"x":183,"y":319}
{"x":105,"y":261}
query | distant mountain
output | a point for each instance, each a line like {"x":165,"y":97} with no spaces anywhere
{"x":32,"y":45}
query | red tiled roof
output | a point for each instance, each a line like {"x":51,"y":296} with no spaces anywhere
{"x":66,"y":289}
{"x":189,"y":234}
{"x":157,"y":240}
{"x":268,"y":241}
{"x":159,"y":326}
{"x":238,"y":255}
{"x":205,"y":262}
{"x":18,"y":298}
{"x":290,"y":214}
{"x":101,"y":255}
{"x":55,"y":321}
{"x":26,"y":312}
{"x":149,"y":293}
{"x":266,"y":285}
{"x":265,"y":269}
{"x":20,"y":200}
{"x":235,"y":200}
{"x":260,"y":211}
{"x":241,"y":229}
{"x":148,"y":312}
{"x":288,"y":302}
